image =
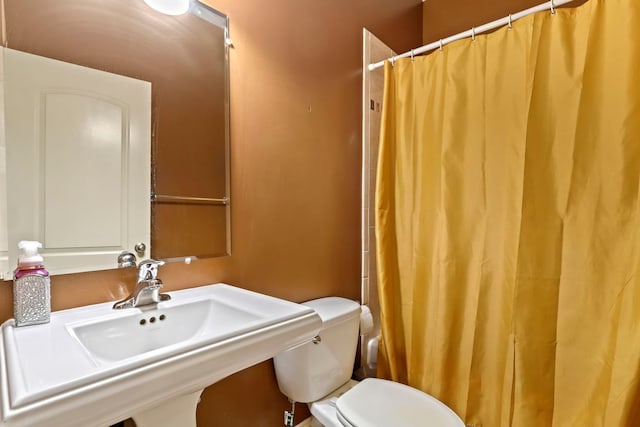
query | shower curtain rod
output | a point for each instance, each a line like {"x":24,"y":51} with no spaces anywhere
{"x":550,"y":5}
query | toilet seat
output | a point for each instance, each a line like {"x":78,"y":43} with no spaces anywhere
{"x":381,"y":403}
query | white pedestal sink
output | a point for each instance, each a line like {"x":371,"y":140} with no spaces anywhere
{"x":94,"y":366}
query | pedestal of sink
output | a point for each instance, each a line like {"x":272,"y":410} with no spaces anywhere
{"x":94,"y":366}
{"x":180,"y":411}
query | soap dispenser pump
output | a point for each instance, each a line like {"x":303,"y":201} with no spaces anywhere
{"x":31,"y":287}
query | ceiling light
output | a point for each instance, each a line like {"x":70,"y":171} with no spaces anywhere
{"x":169,"y":7}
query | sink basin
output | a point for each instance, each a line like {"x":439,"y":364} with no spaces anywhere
{"x":112,"y":339}
{"x":94,"y":366}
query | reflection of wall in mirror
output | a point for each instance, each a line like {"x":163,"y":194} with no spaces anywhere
{"x":181,"y":57}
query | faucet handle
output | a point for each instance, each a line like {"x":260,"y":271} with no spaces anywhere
{"x":148,"y":269}
{"x":126,"y":259}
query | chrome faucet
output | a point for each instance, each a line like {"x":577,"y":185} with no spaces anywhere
{"x":147,"y":290}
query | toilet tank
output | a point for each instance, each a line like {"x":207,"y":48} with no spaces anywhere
{"x":312,"y":370}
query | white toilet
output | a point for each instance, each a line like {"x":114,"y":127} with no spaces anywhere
{"x":319,"y":374}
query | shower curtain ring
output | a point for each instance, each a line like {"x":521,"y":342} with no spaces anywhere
{"x":510,"y":23}
{"x":440,"y":45}
{"x":412,"y":55}
{"x":393,"y":61}
{"x":553,"y":8}
{"x":473,"y":34}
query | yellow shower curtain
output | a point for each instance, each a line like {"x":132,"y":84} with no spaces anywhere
{"x":508,"y":221}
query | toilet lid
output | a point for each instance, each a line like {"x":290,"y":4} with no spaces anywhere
{"x":377,"y":403}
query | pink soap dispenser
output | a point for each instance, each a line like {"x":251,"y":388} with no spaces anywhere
{"x":31,"y":287}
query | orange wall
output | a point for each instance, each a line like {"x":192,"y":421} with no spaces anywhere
{"x":296,"y":148}
{"x":295,"y":159}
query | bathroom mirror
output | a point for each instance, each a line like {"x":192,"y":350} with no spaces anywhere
{"x":185,"y":59}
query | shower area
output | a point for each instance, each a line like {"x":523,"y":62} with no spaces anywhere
{"x":501,"y":217}
{"x":374,"y":50}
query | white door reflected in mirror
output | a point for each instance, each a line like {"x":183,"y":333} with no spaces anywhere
{"x":4,"y":239}
{"x":78,"y":144}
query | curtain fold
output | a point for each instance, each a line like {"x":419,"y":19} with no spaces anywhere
{"x":507,"y":221}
